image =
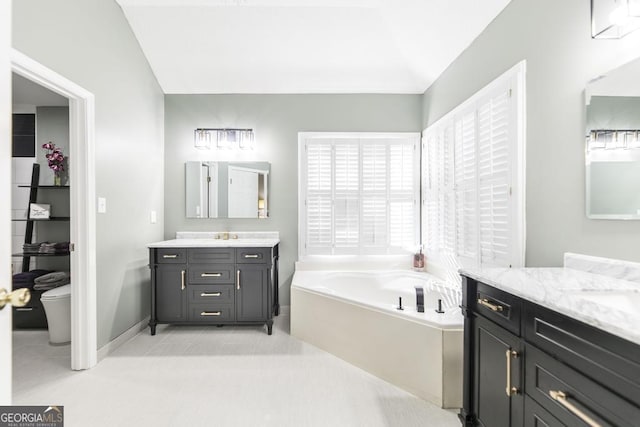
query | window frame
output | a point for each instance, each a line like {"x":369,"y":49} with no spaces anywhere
{"x":447,"y":261}
{"x":361,"y":137}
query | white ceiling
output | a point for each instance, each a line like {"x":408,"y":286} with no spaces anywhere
{"x":304,"y":46}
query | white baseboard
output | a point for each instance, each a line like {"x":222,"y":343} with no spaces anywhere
{"x":108,"y":348}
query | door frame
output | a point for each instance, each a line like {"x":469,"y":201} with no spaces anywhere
{"x":82,"y":204}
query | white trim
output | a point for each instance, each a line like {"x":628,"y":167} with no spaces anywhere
{"x":304,"y":138}
{"x":82,"y":206}
{"x":118,"y":341}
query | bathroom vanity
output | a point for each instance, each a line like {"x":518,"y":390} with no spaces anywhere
{"x":214,"y":279}
{"x":550,"y":346}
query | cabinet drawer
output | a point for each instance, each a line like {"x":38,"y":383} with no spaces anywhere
{"x":498,"y":306}
{"x":536,"y":416}
{"x":253,"y":255}
{"x":211,"y":313}
{"x":211,"y":294}
{"x":566,"y":393}
{"x":171,"y":256}
{"x":211,"y":255}
{"x":216,"y":273}
{"x":607,"y":359}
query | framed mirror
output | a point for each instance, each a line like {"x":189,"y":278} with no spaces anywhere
{"x":227,"y":189}
{"x":613,"y":144}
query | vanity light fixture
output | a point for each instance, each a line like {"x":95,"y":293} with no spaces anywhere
{"x":614,"y":19}
{"x":231,"y":139}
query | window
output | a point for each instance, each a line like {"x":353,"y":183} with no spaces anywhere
{"x":359,"y":193}
{"x":472,"y":180}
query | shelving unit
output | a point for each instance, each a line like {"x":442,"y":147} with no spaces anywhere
{"x":32,"y":316}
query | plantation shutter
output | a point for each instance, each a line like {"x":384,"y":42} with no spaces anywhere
{"x":473,"y":198}
{"x":346,"y":196}
{"x":360,"y":194}
{"x":319,"y":206}
{"x":438,"y":195}
{"x":494,"y":179}
{"x":375,"y":229}
{"x":466,"y":194}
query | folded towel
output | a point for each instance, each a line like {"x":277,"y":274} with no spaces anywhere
{"x":52,"y":280}
{"x":27,"y":279}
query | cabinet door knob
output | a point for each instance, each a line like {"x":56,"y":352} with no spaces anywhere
{"x":562,"y":398}
{"x":509,"y":389}
{"x":18,"y":298}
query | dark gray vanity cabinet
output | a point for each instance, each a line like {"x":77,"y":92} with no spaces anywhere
{"x":527,"y":365}
{"x":213,"y":286}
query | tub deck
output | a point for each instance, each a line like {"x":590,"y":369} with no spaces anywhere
{"x":421,"y":356}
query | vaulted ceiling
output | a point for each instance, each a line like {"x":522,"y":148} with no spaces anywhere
{"x":304,"y":46}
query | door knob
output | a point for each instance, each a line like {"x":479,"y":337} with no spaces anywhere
{"x":18,"y":298}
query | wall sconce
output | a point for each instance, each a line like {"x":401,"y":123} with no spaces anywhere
{"x":242,"y":139}
{"x":614,"y":19}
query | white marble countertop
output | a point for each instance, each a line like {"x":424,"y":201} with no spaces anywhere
{"x":607,"y":303}
{"x":215,"y":243}
{"x":215,"y":239}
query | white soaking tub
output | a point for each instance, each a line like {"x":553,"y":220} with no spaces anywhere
{"x":354,"y":315}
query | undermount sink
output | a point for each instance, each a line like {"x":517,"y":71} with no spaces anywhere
{"x":623,"y":300}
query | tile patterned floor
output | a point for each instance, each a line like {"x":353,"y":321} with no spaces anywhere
{"x":203,"y":376}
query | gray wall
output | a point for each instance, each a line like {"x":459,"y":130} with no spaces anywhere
{"x":90,"y":43}
{"x":52,"y":124}
{"x":554,"y":38}
{"x":613,"y":112}
{"x":277,"y":119}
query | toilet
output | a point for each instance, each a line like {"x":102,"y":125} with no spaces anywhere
{"x":57,"y":307}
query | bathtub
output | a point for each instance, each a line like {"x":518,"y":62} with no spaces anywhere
{"x":354,"y":315}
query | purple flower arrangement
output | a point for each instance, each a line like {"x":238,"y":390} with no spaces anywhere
{"x":55,"y":158}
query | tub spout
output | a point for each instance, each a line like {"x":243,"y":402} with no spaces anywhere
{"x":420,"y":299}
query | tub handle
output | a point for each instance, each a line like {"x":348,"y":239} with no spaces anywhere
{"x":493,"y":307}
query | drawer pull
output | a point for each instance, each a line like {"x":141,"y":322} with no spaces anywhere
{"x":561,"y":398}
{"x":493,"y":307}
{"x":251,"y":256}
{"x":210,"y":313}
{"x":509,"y":389}
{"x":170,"y":256}
{"x":211,"y":275}
{"x":23,"y":308}
{"x":210,"y":294}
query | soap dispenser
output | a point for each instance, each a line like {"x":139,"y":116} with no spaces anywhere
{"x":418,"y":260}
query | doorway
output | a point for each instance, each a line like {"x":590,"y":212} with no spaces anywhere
{"x":81,"y":204}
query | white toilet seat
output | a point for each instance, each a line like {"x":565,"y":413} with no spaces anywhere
{"x":56,"y":293}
